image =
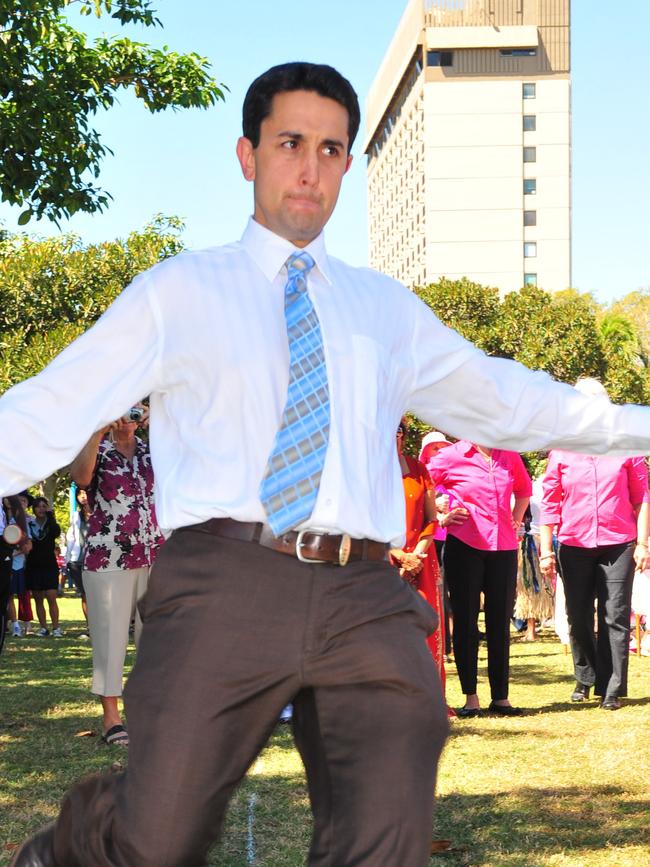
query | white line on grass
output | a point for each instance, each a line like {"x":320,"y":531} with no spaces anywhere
{"x":250,"y":839}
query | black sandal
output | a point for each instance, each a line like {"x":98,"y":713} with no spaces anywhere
{"x":117,"y":736}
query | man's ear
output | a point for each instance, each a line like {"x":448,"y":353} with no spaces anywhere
{"x":246,"y":157}
{"x":348,"y":163}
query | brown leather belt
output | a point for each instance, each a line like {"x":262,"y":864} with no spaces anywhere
{"x":307,"y":545}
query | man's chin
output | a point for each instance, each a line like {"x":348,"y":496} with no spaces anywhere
{"x":301,"y":232}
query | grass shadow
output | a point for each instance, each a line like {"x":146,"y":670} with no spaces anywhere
{"x":529,"y":825}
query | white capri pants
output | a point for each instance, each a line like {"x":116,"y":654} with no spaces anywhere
{"x":111,"y":596}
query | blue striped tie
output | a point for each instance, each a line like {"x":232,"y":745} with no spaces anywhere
{"x":290,"y":485}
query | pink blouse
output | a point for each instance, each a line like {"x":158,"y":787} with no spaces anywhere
{"x":485,"y":489}
{"x":591,"y":499}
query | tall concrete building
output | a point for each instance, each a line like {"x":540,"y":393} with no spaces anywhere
{"x":468,"y":140}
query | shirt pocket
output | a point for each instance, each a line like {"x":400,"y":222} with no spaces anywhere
{"x":370,"y":380}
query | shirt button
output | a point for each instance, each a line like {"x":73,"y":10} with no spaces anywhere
{"x":328,"y":502}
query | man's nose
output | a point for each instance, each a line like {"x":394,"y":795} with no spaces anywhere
{"x":310,"y":168}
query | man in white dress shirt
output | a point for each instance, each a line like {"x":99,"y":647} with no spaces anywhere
{"x":238,"y":622}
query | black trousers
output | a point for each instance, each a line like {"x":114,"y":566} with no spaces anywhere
{"x":232,"y":633}
{"x":605,"y":573}
{"x":469,"y":572}
{"x":440,"y":553}
{"x":5,"y":588}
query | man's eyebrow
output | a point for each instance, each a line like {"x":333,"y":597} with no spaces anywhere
{"x":331,"y":142}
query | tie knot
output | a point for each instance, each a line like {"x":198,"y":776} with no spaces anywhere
{"x":299,"y":263}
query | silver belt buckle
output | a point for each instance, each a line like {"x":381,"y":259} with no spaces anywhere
{"x":344,"y":549}
{"x":299,"y":553}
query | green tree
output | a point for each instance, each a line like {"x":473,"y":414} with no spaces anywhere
{"x":636,"y":307}
{"x":619,"y":333}
{"x":626,"y":376}
{"x":557,"y":334}
{"x":469,"y":308}
{"x":53,"y":79}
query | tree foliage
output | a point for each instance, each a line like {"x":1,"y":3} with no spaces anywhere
{"x":555,"y":334}
{"x":469,"y":308}
{"x":53,"y":79}
{"x":53,"y":289}
{"x":635,"y":307}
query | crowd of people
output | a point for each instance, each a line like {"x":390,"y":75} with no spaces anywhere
{"x":502,"y":532}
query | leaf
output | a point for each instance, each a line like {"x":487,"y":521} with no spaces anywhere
{"x":25,"y":217}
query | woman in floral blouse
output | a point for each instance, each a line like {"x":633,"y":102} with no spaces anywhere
{"x":121,"y":545}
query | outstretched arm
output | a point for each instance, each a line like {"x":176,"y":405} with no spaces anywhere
{"x":502,"y":404}
{"x":93,"y":381}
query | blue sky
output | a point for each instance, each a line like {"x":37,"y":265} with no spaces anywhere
{"x":183,"y":163}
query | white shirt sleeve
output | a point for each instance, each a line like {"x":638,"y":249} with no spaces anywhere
{"x":51,"y":416}
{"x":500,"y":403}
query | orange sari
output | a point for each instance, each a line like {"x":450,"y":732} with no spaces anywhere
{"x":429,"y":584}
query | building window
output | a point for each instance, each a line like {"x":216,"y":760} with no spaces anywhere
{"x":530,"y":155}
{"x":528,"y":90}
{"x":530,"y":279}
{"x":530,"y":249}
{"x":530,"y":186}
{"x":530,"y":218}
{"x":530,"y":122}
{"x":518,"y":52}
{"x":440,"y":58}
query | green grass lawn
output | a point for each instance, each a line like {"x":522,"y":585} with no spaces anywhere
{"x":564,"y":785}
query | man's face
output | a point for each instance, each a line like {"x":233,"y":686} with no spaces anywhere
{"x":298,"y":165}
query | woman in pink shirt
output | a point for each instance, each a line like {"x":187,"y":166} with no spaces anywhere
{"x":599,"y":507}
{"x":481,"y":556}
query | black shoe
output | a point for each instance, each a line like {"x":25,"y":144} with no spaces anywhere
{"x":611,"y":702}
{"x":581,"y":692}
{"x":468,"y":712}
{"x":505,"y":709}
{"x":37,"y":851}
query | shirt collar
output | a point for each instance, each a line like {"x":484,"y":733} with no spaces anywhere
{"x":269,"y":251}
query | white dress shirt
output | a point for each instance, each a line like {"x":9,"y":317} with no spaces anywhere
{"x":204,"y":335}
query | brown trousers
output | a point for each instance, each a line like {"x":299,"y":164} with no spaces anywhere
{"x":232,"y":633}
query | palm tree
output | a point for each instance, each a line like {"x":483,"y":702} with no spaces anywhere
{"x":620,"y":337}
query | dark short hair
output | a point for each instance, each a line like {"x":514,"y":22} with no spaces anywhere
{"x":37,"y":500}
{"x":316,"y":77}
{"x":27,"y":496}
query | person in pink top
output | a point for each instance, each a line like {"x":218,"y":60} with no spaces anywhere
{"x":599,"y":507}
{"x":481,"y":556}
